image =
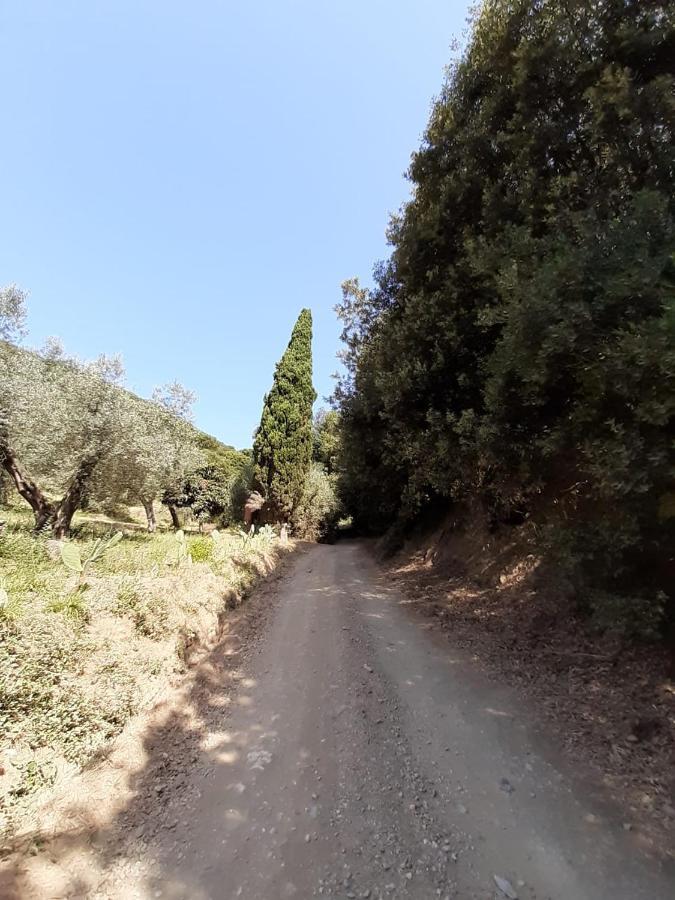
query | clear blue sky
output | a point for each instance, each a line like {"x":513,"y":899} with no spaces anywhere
{"x":180,"y":179}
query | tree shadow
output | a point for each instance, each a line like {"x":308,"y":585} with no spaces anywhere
{"x":183,"y":749}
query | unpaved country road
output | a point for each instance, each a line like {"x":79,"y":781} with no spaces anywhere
{"x":363,"y":757}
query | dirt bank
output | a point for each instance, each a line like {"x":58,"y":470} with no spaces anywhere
{"x":609,"y":701}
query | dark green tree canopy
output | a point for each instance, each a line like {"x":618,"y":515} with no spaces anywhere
{"x":282,"y":450}
{"x":205,"y":492}
{"x":517,"y":350}
{"x":326,"y":439}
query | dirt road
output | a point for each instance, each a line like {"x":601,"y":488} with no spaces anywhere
{"x":360,"y":756}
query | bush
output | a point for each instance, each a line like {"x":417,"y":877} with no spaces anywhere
{"x":317,"y":514}
{"x":200,"y":548}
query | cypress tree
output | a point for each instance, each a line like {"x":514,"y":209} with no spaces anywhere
{"x":282,"y":450}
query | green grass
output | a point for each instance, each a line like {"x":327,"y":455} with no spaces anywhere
{"x":71,"y":604}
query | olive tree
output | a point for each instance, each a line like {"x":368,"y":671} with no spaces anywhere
{"x":12,"y":312}
{"x":159,"y":449}
{"x":59,"y":420}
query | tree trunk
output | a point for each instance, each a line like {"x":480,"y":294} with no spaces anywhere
{"x":149,"y":508}
{"x":43,"y":510}
{"x":173,"y":512}
{"x":70,"y":503}
{"x":4,"y":488}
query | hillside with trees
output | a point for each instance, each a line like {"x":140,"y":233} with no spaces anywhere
{"x":101,"y":598}
{"x":514,"y":363}
{"x":71,"y":435}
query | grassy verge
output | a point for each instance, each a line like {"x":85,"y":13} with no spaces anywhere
{"x":77,"y":660}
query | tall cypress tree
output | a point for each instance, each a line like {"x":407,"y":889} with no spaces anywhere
{"x":282,"y":450}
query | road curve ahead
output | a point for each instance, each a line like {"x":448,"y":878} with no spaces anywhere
{"x":364,"y":757}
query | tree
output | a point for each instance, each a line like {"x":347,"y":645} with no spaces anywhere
{"x":176,"y":399}
{"x":12,"y":312}
{"x":517,"y":352}
{"x":159,"y":449}
{"x":205,"y":491}
{"x":317,"y":513}
{"x":282,"y":449}
{"x":215,"y":486}
{"x":69,"y":430}
{"x":59,"y":419}
{"x":326,"y":439}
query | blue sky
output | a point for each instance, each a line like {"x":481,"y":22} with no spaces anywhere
{"x":179,"y":180}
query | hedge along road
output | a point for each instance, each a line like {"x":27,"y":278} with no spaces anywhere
{"x":360,"y":756}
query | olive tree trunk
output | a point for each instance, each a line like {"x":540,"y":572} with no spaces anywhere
{"x":149,"y":508}
{"x":43,"y":510}
{"x":70,"y":503}
{"x":173,"y":512}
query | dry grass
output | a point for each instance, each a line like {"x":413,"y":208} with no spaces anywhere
{"x":77,"y":662}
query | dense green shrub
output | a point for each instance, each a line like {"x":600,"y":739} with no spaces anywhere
{"x":518,"y":348}
{"x":205,"y":492}
{"x":316,"y":515}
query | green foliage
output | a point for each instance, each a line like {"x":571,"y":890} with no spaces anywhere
{"x":234,"y":471}
{"x":629,"y":615}
{"x":148,"y":614}
{"x":221,"y":456}
{"x":282,"y":449}
{"x":317,"y":514}
{"x":253,"y":547}
{"x":159,"y":449}
{"x":71,"y":673}
{"x":10,"y":607}
{"x":23,"y":561}
{"x":39,"y":698}
{"x":212,"y":492}
{"x":12,"y":312}
{"x":239,"y":489}
{"x":69,"y":429}
{"x":266,"y":534}
{"x":518,"y":348}
{"x":326,"y":440}
{"x":247,"y":536}
{"x":72,"y":605}
{"x":71,"y":556}
{"x":75,"y":408}
{"x":96,"y":440}
{"x":200,"y":548}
